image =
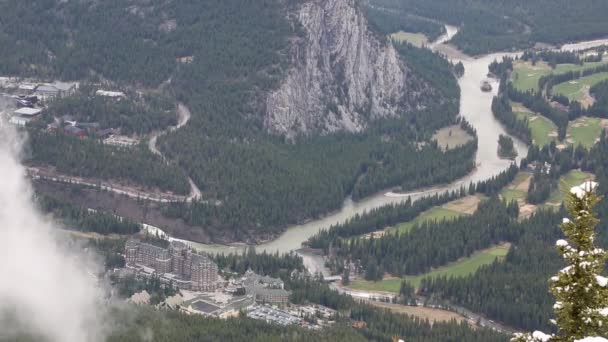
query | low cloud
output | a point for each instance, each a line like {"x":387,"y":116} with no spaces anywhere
{"x":47,"y":290}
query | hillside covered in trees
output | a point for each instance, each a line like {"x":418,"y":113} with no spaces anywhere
{"x":221,"y":59}
{"x":518,"y":286}
{"x":497,"y":25}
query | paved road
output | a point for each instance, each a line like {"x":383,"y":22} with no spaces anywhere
{"x":184,"y":116}
{"x":41,"y":173}
{"x":387,"y":297}
{"x":315,"y":263}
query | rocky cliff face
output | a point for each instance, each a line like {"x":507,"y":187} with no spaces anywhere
{"x":342,"y":77}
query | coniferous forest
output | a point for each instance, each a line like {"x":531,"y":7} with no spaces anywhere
{"x":488,"y":26}
{"x":219,"y":59}
{"x":515,"y":291}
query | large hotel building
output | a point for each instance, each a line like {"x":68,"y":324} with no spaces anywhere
{"x":178,"y":264}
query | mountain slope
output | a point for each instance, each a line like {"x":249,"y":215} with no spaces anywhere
{"x":363,"y":106}
{"x":342,"y":76}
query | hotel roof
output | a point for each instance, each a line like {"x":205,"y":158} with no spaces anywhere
{"x":25,"y":111}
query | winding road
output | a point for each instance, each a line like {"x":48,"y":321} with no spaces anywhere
{"x":475,"y":107}
{"x":473,"y":318}
{"x":183,"y":115}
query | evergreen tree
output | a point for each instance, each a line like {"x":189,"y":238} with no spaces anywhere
{"x":346,"y":277}
{"x":581,"y":292}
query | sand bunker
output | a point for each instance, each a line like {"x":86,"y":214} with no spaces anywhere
{"x":580,"y":124}
{"x":467,"y":205}
{"x":526,"y":210}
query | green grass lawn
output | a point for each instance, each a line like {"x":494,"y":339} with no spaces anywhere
{"x":460,"y":268}
{"x":540,"y":126}
{"x":451,"y":137}
{"x":520,"y":178}
{"x":511,"y":191}
{"x":416,"y":39}
{"x":585,"y":131}
{"x":525,"y":76}
{"x":435,"y":213}
{"x":575,"y":90}
{"x":512,"y":194}
{"x":566,"y":182}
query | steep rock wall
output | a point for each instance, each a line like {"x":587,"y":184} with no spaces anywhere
{"x":342,"y":77}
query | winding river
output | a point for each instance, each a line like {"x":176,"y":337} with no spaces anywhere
{"x":475,"y":106}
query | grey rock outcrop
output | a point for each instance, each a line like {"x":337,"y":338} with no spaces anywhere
{"x":342,"y":76}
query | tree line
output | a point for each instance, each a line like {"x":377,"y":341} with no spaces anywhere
{"x":553,"y":58}
{"x":391,"y":214}
{"x":134,"y":114}
{"x":241,"y":52}
{"x":514,"y":291}
{"x":431,"y":243}
{"x":84,"y":219}
{"x":503,"y":25}
{"x":275,"y":265}
{"x":387,"y":22}
{"x":547,"y":82}
{"x":502,"y":110}
{"x":536,"y":102}
{"x":91,"y":159}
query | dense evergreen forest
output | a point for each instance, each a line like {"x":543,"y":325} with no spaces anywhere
{"x":387,"y":22}
{"x":299,"y":181}
{"x":220,"y":59}
{"x":502,"y":110}
{"x":391,"y":214}
{"x":432,"y":243}
{"x":383,"y":325}
{"x":84,"y":219}
{"x":515,"y":291}
{"x":274,"y":265}
{"x":92,"y":159}
{"x":380,"y":218}
{"x":600,"y":94}
{"x":506,"y":148}
{"x":487,"y":26}
{"x":134,"y":114}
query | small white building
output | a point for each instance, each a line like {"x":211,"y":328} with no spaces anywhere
{"x":107,"y":93}
{"x":27,"y":87}
{"x":121,"y":141}
{"x":19,"y":120}
{"x":27,"y":112}
{"x":47,"y":91}
{"x":24,"y":115}
{"x":51,"y":90}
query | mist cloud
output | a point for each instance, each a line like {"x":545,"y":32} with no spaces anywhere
{"x":45,"y":289}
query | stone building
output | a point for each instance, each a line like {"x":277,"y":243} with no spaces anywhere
{"x":203,"y":273}
{"x":265,"y":289}
{"x":178,"y":264}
